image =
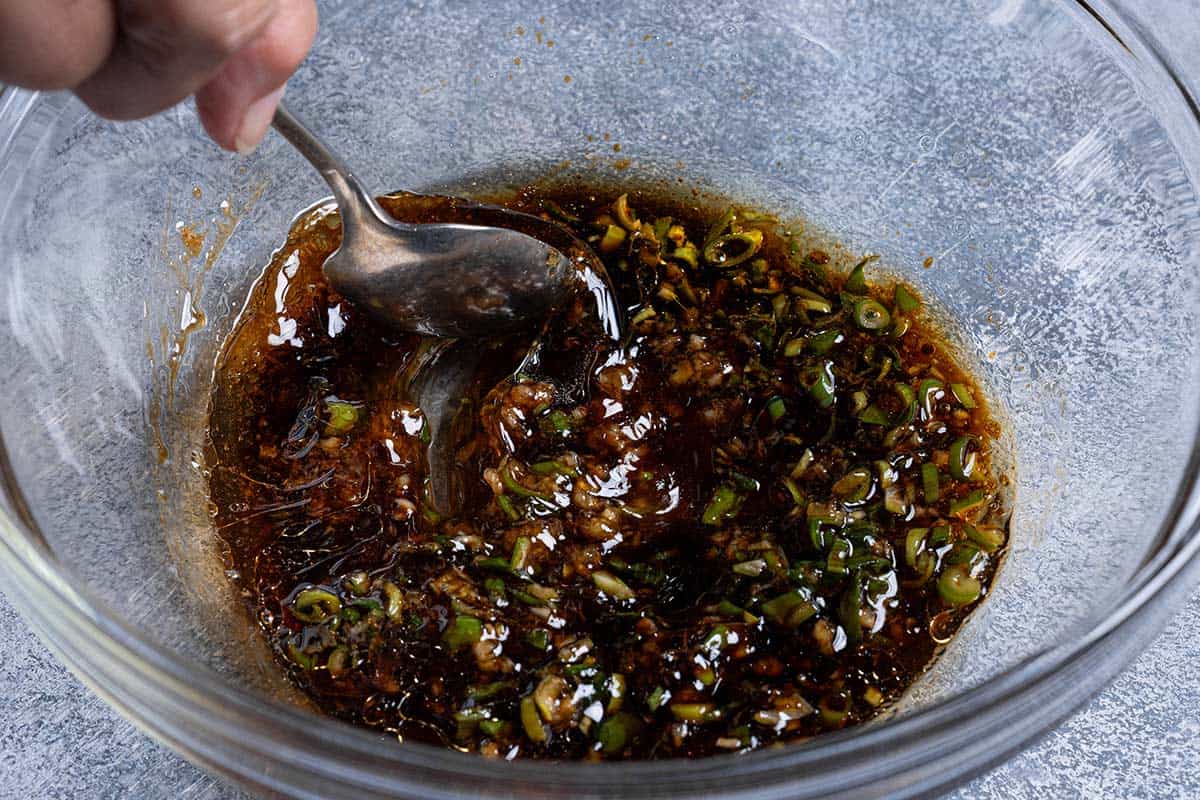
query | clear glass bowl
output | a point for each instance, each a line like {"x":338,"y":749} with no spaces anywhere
{"x":1041,"y":152}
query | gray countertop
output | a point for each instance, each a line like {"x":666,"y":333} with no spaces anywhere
{"x":1137,"y":739}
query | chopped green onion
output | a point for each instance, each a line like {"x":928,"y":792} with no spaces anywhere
{"x":823,"y":342}
{"x":962,"y":553}
{"x":343,"y":416}
{"x":988,"y":538}
{"x":646,"y":313}
{"x":538,"y":638}
{"x":662,"y":226}
{"x":906,"y":301}
{"x":560,"y":213}
{"x":520,"y":553}
{"x":506,"y":505}
{"x":491,"y":727}
{"x":614,"y":235}
{"x":513,"y":485}
{"x":624,"y":213}
{"x":462,"y":632}
{"x":393,"y":601}
{"x":929,"y":482}
{"x":723,"y":506}
{"x":965,"y":506}
{"x":338,"y":663}
{"x":611,"y":585}
{"x":828,"y":513}
{"x":751,"y":569}
{"x":834,"y":708}
{"x":850,"y":611}
{"x":928,"y":393}
{"x":874,"y":415}
{"x":695,"y":712}
{"x":495,"y":564}
{"x":793,"y":490}
{"x":962,"y":394}
{"x":551,"y":467}
{"x":657,"y":698}
{"x":531,"y":721}
{"x":821,"y":384}
{"x":688,"y":254}
{"x":358,"y":583}
{"x":719,"y":227}
{"x":914,"y":545}
{"x":854,"y":486}
{"x":488,"y":690}
{"x":856,"y":283}
{"x":717,"y":638}
{"x":527,"y":598}
{"x":728,"y":609}
{"x":957,"y":587}
{"x":839,"y":551}
{"x":559,"y":420}
{"x":776,"y":408}
{"x":789,"y":609}
{"x":793,"y":347}
{"x":871,"y":315}
{"x":811,"y":301}
{"x":909,"y":398}
{"x":963,"y":456}
{"x":617,"y":687}
{"x":744,"y":245}
{"x":315,"y":605}
{"x":300,"y":658}
{"x":616,"y":732}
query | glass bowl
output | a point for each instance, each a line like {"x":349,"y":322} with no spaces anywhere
{"x":1041,"y":152}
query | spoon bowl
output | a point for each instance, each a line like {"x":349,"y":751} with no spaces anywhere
{"x":443,"y":276}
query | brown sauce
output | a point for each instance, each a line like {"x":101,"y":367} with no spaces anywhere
{"x":752,"y":520}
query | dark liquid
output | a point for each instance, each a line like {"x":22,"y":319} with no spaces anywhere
{"x":677,"y":544}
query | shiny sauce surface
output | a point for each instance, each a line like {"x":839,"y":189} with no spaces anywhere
{"x":753,"y":519}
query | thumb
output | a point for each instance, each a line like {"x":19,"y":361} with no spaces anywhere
{"x":237,"y":104}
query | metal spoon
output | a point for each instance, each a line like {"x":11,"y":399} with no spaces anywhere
{"x":441,"y":279}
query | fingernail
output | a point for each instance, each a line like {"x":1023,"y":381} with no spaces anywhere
{"x":255,"y":122}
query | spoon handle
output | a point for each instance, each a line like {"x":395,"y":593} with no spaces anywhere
{"x":356,"y":204}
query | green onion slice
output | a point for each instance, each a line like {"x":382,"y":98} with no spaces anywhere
{"x":963,"y":457}
{"x":871,"y":315}
{"x":733,"y":249}
{"x":957,"y":587}
{"x":930,"y":482}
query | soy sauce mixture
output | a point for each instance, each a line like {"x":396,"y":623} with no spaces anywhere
{"x":754,"y":519}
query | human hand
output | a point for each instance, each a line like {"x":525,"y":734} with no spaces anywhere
{"x":131,"y":58}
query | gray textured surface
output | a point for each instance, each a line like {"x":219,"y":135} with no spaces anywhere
{"x":1138,"y":739}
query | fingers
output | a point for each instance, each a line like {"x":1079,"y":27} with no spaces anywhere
{"x":168,"y":49}
{"x":54,"y":45}
{"x":236,"y":106}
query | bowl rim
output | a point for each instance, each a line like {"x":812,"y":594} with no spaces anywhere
{"x":195,"y":711}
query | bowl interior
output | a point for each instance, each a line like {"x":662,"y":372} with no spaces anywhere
{"x":998,"y":139}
